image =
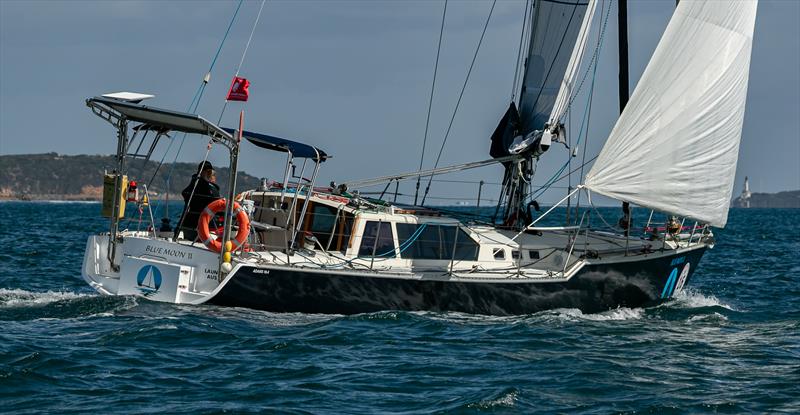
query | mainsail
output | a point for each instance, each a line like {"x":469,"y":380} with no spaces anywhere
{"x":554,"y":31}
{"x":558,"y":34}
{"x":674,"y":148}
{"x":567,"y":88}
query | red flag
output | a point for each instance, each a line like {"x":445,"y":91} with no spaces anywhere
{"x":239,"y":90}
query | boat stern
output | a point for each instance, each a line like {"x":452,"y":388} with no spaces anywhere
{"x":157,"y":269}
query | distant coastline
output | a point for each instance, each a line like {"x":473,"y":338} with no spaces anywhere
{"x":55,"y":177}
{"x":51,"y":176}
{"x":789,"y":199}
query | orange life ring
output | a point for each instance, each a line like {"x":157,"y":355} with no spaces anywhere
{"x":213,"y":208}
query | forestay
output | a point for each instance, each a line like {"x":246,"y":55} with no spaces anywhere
{"x":674,"y":148}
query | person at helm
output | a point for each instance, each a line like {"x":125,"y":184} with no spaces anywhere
{"x":201,"y":191}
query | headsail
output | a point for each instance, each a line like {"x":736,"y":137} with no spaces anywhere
{"x":675,"y":146}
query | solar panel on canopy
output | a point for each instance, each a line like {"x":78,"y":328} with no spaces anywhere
{"x":158,"y":117}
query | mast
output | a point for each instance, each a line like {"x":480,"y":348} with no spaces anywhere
{"x":554,"y":45}
{"x":624,"y":94}
{"x":622,"y":19}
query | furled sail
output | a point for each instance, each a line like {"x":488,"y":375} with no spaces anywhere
{"x":554,"y":31}
{"x":674,"y":148}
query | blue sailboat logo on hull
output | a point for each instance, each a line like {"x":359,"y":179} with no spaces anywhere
{"x":148,"y":279}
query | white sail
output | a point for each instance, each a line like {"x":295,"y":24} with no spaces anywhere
{"x":568,"y":83}
{"x":674,"y":148}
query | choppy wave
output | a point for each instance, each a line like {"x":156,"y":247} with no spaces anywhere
{"x":692,"y":298}
{"x":729,"y":343}
{"x":505,"y":400}
{"x":708,"y":318}
{"x":23,"y":298}
{"x":22,"y":305}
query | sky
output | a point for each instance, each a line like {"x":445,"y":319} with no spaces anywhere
{"x":351,"y":77}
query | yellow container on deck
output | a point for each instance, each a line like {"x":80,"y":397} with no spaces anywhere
{"x":109,"y":180}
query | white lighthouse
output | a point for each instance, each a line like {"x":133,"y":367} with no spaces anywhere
{"x":744,"y":199}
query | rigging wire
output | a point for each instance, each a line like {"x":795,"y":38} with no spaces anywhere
{"x":553,"y":62}
{"x":198,"y":95}
{"x":595,"y":56}
{"x":244,"y":53}
{"x":584,"y":122}
{"x":430,"y":101}
{"x":463,"y":88}
{"x":518,"y":66}
{"x":247,"y":46}
{"x":583,"y":158}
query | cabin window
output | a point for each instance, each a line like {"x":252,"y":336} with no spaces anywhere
{"x":321,"y":222}
{"x":533,"y":254}
{"x":514,"y":254}
{"x":332,"y":233}
{"x":426,"y":241}
{"x":385,"y":245}
{"x":343,"y":234}
{"x":499,"y":254}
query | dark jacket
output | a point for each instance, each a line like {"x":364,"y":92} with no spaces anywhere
{"x":205,"y":193}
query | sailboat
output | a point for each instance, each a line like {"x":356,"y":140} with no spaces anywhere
{"x":299,"y":247}
{"x":149,"y":280}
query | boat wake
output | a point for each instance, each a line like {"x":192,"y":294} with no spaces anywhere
{"x":617,"y":314}
{"x":691,"y":298}
{"x":22,"y":298}
{"x":560,"y":315}
{"x":21,"y":305}
{"x":700,"y":307}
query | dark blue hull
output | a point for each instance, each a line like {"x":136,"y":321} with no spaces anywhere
{"x":643,"y":281}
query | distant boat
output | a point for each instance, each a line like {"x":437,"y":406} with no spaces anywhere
{"x":300,"y":248}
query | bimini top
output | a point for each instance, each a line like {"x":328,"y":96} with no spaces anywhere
{"x":281,"y":144}
{"x":157,"y":118}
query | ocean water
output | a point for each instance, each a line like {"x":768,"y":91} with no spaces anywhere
{"x":730,"y":344}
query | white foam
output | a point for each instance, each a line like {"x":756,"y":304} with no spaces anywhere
{"x":465,"y":318}
{"x":266,"y":317}
{"x":21,"y":298}
{"x":617,"y":314}
{"x":507,"y":400}
{"x":690,"y":298}
{"x":705,"y":317}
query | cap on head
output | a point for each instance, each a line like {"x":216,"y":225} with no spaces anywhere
{"x":206,"y":165}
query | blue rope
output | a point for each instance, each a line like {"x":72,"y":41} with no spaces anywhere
{"x":198,"y":96}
